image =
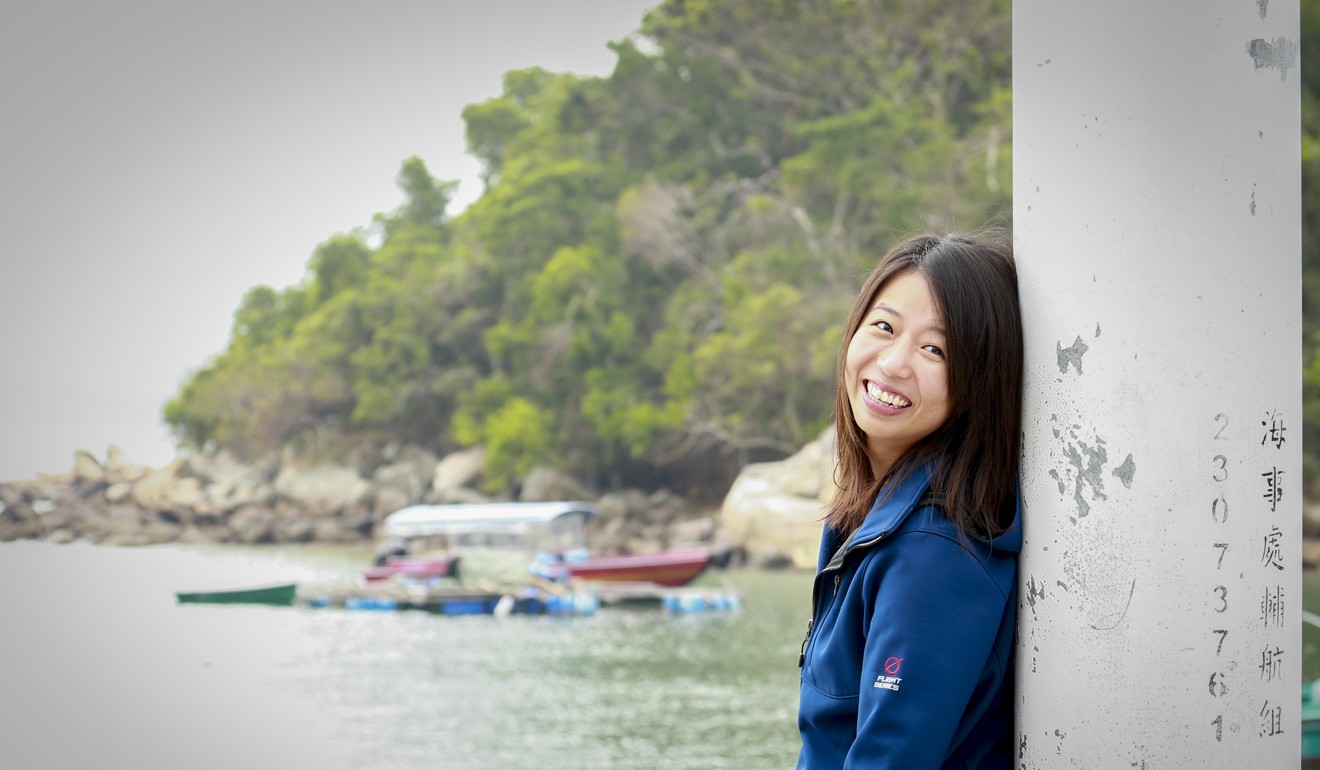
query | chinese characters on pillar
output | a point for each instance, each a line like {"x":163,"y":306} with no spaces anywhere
{"x":1227,"y":601}
{"x":1273,"y":603}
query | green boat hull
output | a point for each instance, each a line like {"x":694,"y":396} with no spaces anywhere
{"x":279,"y":595}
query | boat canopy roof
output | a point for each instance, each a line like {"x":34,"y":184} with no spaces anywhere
{"x":423,"y":520}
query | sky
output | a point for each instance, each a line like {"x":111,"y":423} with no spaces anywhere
{"x":159,"y":158}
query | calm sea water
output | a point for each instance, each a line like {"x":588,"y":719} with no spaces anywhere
{"x":99,"y":667}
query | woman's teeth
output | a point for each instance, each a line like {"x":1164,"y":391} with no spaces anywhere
{"x":885,"y":397}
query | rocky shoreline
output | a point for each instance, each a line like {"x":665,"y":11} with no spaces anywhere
{"x":215,"y":498}
{"x":770,"y":516}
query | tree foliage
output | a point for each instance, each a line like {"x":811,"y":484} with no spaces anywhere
{"x":1311,"y":242}
{"x":649,"y":288}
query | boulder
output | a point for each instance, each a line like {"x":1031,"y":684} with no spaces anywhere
{"x":116,"y":525}
{"x":119,"y":492}
{"x":693,"y":531}
{"x":293,"y":530}
{"x":665,"y":507}
{"x":403,"y":482}
{"x":322,"y":489}
{"x":339,"y":530}
{"x":1310,"y":553}
{"x":251,"y":524}
{"x":387,"y":500}
{"x":457,"y":470}
{"x":543,"y":485}
{"x":773,"y":510}
{"x":223,"y":466}
{"x":166,"y":488}
{"x":456,"y":496}
{"x":119,"y":469}
{"x":87,"y":467}
{"x":624,"y":504}
{"x":61,"y":536}
{"x":228,"y":484}
{"x":1311,"y":519}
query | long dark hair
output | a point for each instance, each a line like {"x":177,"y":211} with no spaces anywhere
{"x":973,"y":281}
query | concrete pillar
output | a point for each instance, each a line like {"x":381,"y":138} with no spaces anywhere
{"x":1157,"y":211}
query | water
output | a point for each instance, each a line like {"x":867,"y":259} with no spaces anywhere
{"x":99,"y":667}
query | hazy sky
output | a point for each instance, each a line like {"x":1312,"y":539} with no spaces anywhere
{"x":159,"y":158}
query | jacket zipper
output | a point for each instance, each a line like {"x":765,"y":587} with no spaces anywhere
{"x":835,"y":565}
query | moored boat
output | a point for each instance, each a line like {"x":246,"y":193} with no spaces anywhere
{"x":666,"y":568}
{"x":555,"y":531}
{"x":280,"y":595}
{"x":416,"y":569}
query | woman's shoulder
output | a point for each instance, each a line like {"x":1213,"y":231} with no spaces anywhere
{"x":928,"y":543}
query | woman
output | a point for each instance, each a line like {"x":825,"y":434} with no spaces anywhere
{"x":907,"y":662}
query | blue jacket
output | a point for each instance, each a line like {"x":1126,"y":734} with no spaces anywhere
{"x":908,"y":658}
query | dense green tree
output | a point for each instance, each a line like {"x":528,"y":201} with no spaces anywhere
{"x":648,"y":291}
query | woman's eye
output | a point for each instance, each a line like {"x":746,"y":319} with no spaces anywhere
{"x":935,"y":349}
{"x":883,"y":326}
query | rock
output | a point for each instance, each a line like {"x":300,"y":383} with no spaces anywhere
{"x":251,"y":524}
{"x":194,"y":535}
{"x":542,"y":485}
{"x":155,"y":490}
{"x":228,"y":494}
{"x":14,"y":528}
{"x":1310,"y":553}
{"x":403,"y":482}
{"x":693,"y":531}
{"x":458,"y":470}
{"x":10,"y":496}
{"x":773,"y":510}
{"x":124,"y":520}
{"x":390,"y":499}
{"x":290,"y":530}
{"x":624,"y":504}
{"x":119,"y":492}
{"x":1311,"y":520}
{"x":86,"y":467}
{"x":647,"y":542}
{"x":119,"y":469}
{"x":337,"y":531}
{"x":607,"y":534}
{"x":223,"y":466}
{"x":153,"y":533}
{"x":61,"y":536}
{"x":455,"y":496}
{"x":323,"y":489}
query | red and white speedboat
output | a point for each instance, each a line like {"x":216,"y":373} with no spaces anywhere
{"x":666,"y":568}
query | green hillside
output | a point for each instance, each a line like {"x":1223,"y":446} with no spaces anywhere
{"x":649,"y":289}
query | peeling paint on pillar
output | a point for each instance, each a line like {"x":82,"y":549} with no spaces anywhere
{"x":1126,"y":471}
{"x":1071,"y":355}
{"x":1133,"y":451}
{"x":1278,"y":54}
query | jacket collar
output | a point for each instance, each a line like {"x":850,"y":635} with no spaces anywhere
{"x":889,"y":512}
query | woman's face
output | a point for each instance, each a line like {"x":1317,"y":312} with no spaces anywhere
{"x":895,"y":371}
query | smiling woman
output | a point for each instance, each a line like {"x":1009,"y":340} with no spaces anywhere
{"x":907,"y":661}
{"x":895,"y":371}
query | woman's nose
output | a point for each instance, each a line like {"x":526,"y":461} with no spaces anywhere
{"x":895,"y":361}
